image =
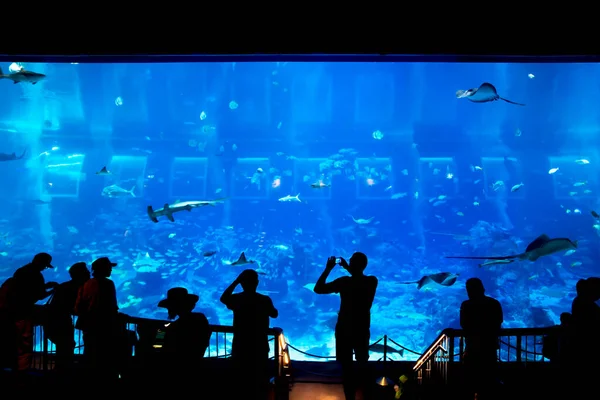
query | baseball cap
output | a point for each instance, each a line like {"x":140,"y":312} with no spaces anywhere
{"x":103,"y":262}
{"x":43,"y":259}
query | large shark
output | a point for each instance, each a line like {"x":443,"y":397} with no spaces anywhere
{"x":540,"y":247}
{"x":11,"y":157}
{"x":23,"y":76}
{"x":441,"y":278}
{"x":169,"y":210}
{"x":483,"y":94}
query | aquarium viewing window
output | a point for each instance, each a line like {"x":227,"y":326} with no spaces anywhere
{"x":313,"y":171}
{"x":292,"y":160}
{"x":63,"y":175}
{"x":188,"y":178}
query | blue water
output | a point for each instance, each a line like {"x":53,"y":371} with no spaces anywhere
{"x":391,"y":143}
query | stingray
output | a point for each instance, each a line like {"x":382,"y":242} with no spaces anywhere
{"x":242,"y":260}
{"x":540,"y":247}
{"x":441,"y":278}
{"x":483,"y":94}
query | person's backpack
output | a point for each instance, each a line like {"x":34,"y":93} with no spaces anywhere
{"x":7,"y":293}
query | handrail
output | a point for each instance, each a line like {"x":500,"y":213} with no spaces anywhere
{"x":214,"y":328}
{"x":280,"y":350}
{"x":436,"y":361}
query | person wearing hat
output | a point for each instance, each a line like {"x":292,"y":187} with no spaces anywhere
{"x":187,"y":338}
{"x":97,"y":317}
{"x":26,"y":288}
{"x":61,"y":307}
{"x":250,"y":345}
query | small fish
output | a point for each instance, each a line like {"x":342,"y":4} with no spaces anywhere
{"x":23,"y":76}
{"x":116,"y":191}
{"x":319,"y":185}
{"x":485,"y":93}
{"x":209,"y":253}
{"x":553,"y":170}
{"x":242,"y":260}
{"x":582,"y":161}
{"x":517,"y":187}
{"x":595,"y":214}
{"x":442,"y":278}
{"x":291,"y":198}
{"x":104,"y":171}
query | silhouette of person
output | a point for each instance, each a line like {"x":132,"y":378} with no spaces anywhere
{"x":481,"y":319}
{"x":586,"y":330}
{"x":187,"y":338}
{"x":250,"y":345}
{"x":352,"y":331}
{"x":59,"y":328}
{"x":26,"y":288}
{"x":97,"y":317}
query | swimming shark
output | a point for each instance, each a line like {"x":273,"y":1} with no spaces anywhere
{"x":23,"y":76}
{"x":540,"y":247}
{"x":291,"y":198}
{"x":441,"y":278}
{"x":11,"y":157}
{"x":168,"y":210}
{"x":483,"y":94}
{"x":242,"y":260}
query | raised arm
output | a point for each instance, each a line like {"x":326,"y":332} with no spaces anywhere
{"x":322,"y":287}
{"x":226,"y":296}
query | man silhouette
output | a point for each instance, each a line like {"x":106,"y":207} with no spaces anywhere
{"x":352,"y":331}
{"x":250,"y":345}
{"x":481,"y":318}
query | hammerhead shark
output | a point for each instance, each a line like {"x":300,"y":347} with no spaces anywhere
{"x":441,"y":278}
{"x":540,"y":247}
{"x":483,"y":94}
{"x":169,"y":210}
{"x":11,"y":157}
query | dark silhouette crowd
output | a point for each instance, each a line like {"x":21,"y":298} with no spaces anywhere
{"x":91,"y":297}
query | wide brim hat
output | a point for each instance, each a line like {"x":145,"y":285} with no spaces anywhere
{"x":177,"y":296}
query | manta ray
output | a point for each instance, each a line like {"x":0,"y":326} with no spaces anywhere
{"x":11,"y":157}
{"x":483,"y":94}
{"x":441,"y":278}
{"x":540,"y":247}
{"x":242,"y":260}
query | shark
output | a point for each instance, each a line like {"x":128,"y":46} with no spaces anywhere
{"x":441,"y":278}
{"x":291,"y":198}
{"x":485,"y":93}
{"x":23,"y":76}
{"x":169,"y":210}
{"x":242,"y":260}
{"x":540,"y":247}
{"x":11,"y":156}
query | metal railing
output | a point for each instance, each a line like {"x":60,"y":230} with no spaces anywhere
{"x":219,"y":343}
{"x":517,"y":345}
